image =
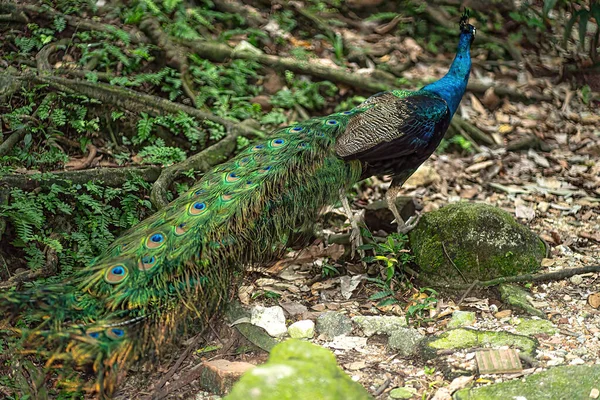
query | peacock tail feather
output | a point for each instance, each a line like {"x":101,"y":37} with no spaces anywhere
{"x":178,"y":265}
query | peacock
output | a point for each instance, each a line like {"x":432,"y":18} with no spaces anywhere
{"x":174,"y":269}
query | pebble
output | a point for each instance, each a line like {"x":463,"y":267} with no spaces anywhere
{"x":271,"y":319}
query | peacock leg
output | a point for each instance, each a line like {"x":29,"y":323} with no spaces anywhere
{"x":390,"y":197}
{"x":355,"y":236}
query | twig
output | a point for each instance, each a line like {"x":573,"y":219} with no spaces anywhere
{"x":382,"y":387}
{"x":452,"y":262}
{"x":42,"y":56}
{"x":464,"y":296}
{"x":551,"y":276}
{"x":202,"y":161}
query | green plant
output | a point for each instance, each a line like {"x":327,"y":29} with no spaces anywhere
{"x":328,"y":270}
{"x":389,"y":255}
{"x":423,"y":302}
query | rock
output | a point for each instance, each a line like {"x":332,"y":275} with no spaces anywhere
{"x":516,"y":296}
{"x":239,"y":318}
{"x":271,"y":319}
{"x":527,"y":326}
{"x":403,"y":393}
{"x":373,"y":324}
{"x":461,"y":318}
{"x":293,"y":308}
{"x":576,"y":279}
{"x":298,"y":370}
{"x":332,"y":324}
{"x":405,"y":341}
{"x":272,"y":83}
{"x":304,"y":329}
{"x":566,"y":382}
{"x":482,"y":241}
{"x":218,"y":376}
{"x":466,"y":338}
{"x":344,"y":342}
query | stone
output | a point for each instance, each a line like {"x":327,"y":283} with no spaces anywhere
{"x":528,"y":326}
{"x":518,"y":297}
{"x":373,"y":324}
{"x":473,"y":241}
{"x":463,"y":338}
{"x":564,"y":382}
{"x":461,"y":318}
{"x":332,"y":324}
{"x":304,"y":329}
{"x":271,"y":319}
{"x":405,"y":341}
{"x":298,"y":370}
{"x":218,"y":376}
{"x":403,"y":393}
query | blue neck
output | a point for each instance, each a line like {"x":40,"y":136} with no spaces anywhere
{"x":452,"y":86}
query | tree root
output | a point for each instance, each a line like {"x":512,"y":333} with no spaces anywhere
{"x":175,"y":54}
{"x":137,"y":102}
{"x":551,"y":276}
{"x":113,"y":177}
{"x":21,"y":12}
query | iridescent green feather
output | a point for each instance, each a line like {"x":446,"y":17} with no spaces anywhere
{"x":178,"y":264}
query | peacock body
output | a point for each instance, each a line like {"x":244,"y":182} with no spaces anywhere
{"x":176,"y":267}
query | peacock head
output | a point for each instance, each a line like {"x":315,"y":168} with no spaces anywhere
{"x":467,"y":30}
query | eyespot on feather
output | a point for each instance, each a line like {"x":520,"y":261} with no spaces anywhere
{"x":258,"y":147}
{"x":147,"y":263}
{"x":180,"y":229}
{"x":226,"y":197}
{"x":296,"y":129}
{"x":243,"y":161}
{"x":264,"y":169}
{"x":276,"y":143}
{"x":197,"y":208}
{"x":115,"y":333}
{"x":232,"y":177}
{"x":93,"y":334}
{"x":155,"y":241}
{"x":116,"y":274}
{"x":331,"y":122}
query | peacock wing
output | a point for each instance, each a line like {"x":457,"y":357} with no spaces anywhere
{"x":394,"y":124}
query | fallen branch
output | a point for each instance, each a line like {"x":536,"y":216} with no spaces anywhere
{"x":550,"y":276}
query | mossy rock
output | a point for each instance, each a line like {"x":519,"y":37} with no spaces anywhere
{"x":482,"y":241}
{"x":298,"y":370}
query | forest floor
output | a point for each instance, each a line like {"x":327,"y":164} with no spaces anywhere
{"x":529,"y":144}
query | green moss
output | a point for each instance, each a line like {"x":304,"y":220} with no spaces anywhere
{"x":298,"y":370}
{"x":467,"y":338}
{"x":482,"y":241}
{"x":566,"y":382}
{"x":516,"y":296}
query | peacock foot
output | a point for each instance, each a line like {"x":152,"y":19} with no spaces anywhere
{"x":409,"y":225}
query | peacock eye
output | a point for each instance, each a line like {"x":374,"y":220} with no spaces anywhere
{"x":297,"y":128}
{"x":197,"y":208}
{"x":94,"y":335}
{"x":332,"y":122}
{"x":115,"y":333}
{"x":115,"y":274}
{"x":347,"y":112}
{"x":155,"y":241}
